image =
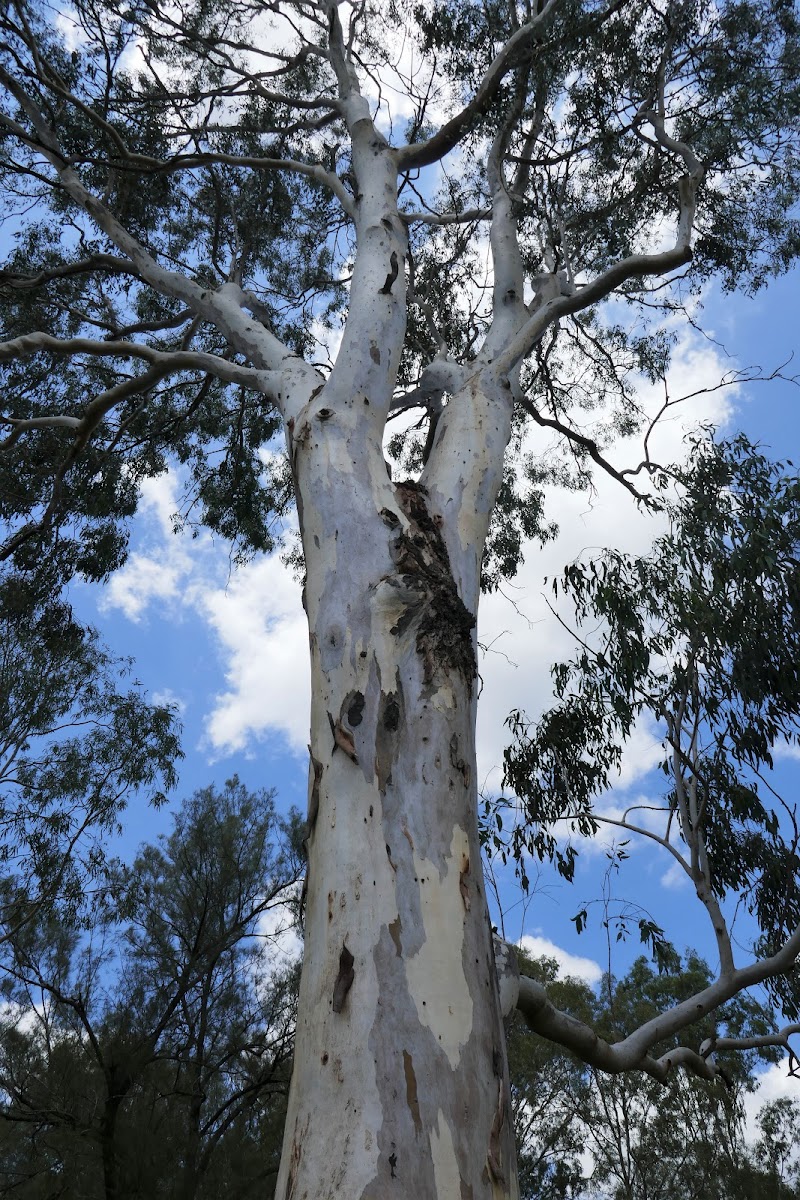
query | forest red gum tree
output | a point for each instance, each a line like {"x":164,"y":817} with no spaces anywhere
{"x":225,"y":181}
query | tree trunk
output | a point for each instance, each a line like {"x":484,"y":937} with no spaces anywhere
{"x":400,"y":1084}
{"x":108,"y":1143}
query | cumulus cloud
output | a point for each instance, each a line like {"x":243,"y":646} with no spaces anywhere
{"x":255,"y":618}
{"x":771,"y":1084}
{"x":159,"y":570}
{"x":786,"y":750}
{"x":261,"y":630}
{"x":142,"y":580}
{"x":572,"y":966}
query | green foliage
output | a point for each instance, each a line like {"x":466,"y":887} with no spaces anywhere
{"x":583,"y":1135}
{"x":77,"y":740}
{"x":170,"y":121}
{"x":147,"y":1054}
{"x":701,"y":636}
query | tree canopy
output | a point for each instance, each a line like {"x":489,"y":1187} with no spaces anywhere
{"x":185,"y":153}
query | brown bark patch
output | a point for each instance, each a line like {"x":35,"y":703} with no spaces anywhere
{"x":313,"y":799}
{"x":463,"y":883}
{"x":458,"y":762}
{"x":390,"y":719}
{"x":354,"y":709}
{"x":342,"y":739}
{"x":295,"y":1156}
{"x":395,"y":929}
{"x":494,"y":1154}
{"x":411,"y":1092}
{"x":443,"y":622}
{"x":344,"y":980}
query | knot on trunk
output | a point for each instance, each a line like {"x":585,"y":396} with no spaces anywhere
{"x":443,"y":622}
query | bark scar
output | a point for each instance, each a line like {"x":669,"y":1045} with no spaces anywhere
{"x":313,"y":799}
{"x":394,"y":263}
{"x":443,"y":623}
{"x":412,"y":1099}
{"x":342,"y":739}
{"x":458,"y":762}
{"x":494,"y":1155}
{"x":344,"y":980}
{"x":463,"y":883}
{"x":311,"y":820}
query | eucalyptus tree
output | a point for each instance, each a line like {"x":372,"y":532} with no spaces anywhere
{"x":228,"y":184}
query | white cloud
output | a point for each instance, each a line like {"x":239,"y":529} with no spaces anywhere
{"x":572,"y":966}
{"x":276,"y":926}
{"x":675,"y":878}
{"x":259,"y":622}
{"x":159,"y":571}
{"x":142,"y":580}
{"x":167,"y":696}
{"x":772,"y":1084}
{"x":256,"y":616}
{"x":786,"y":750}
{"x":73,"y":35}
{"x":26,"y":1018}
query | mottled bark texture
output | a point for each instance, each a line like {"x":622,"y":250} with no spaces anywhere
{"x":400,"y":1033}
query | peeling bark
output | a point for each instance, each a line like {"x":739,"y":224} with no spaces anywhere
{"x":399,"y":1025}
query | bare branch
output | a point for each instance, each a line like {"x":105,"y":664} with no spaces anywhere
{"x":422,"y":154}
{"x":168,"y":362}
{"x":543,"y":1018}
{"x":453,"y":218}
{"x":586,"y":443}
{"x":781,"y":1038}
{"x":636,"y":265}
{"x":86,"y":266}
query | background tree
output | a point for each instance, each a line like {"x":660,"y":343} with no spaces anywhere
{"x":776,"y":1149}
{"x":586,"y":1135}
{"x":701,"y":636}
{"x":550,"y":1093}
{"x":224,"y":186}
{"x":148,"y":1055}
{"x":75,"y":744}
